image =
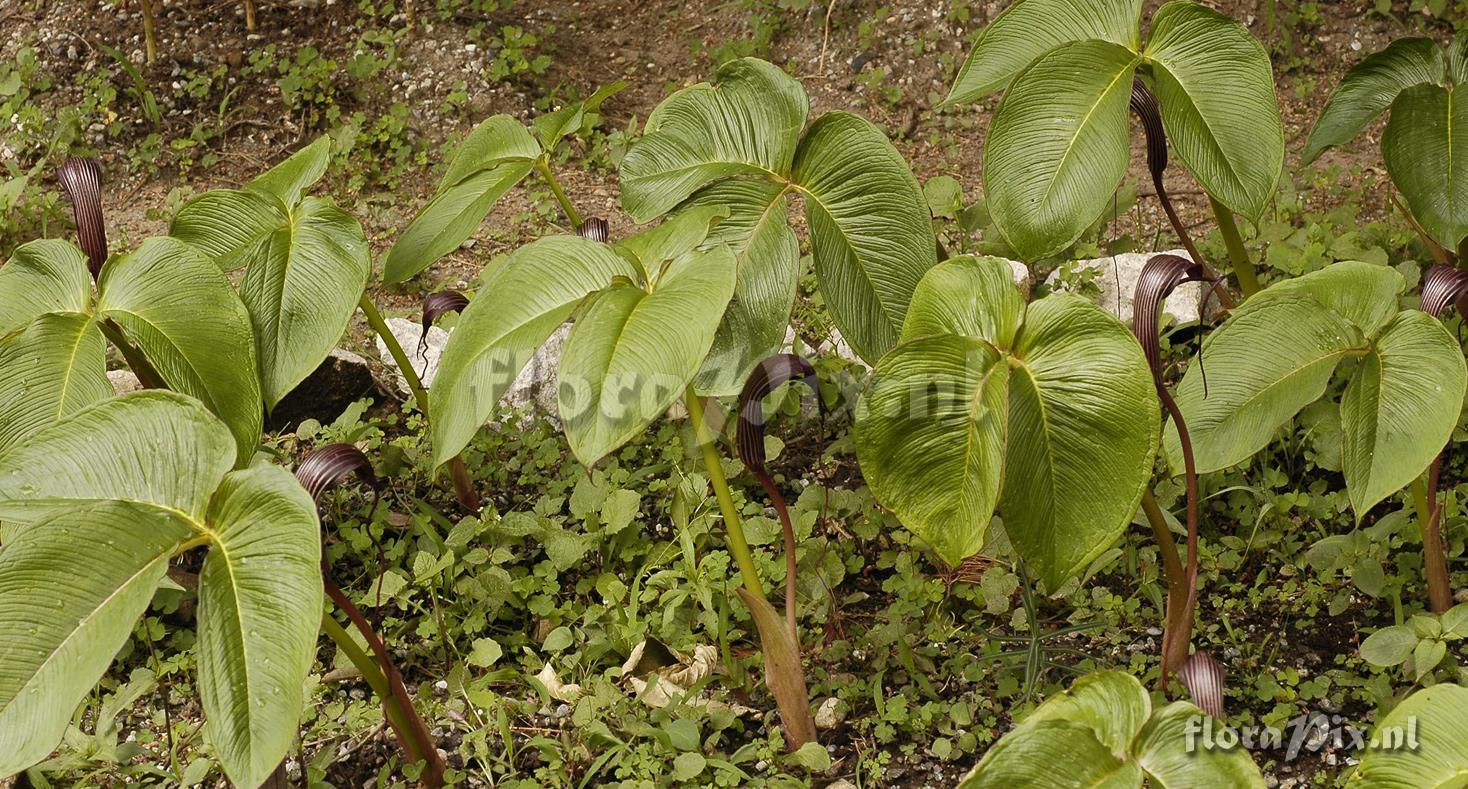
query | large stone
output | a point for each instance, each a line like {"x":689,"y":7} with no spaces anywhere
{"x":1116,"y":276}
{"x":123,"y":381}
{"x":534,"y":386}
{"x":340,"y":379}
{"x":422,"y":355}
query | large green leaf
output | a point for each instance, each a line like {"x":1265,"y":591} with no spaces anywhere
{"x":301,"y":288}
{"x":1216,"y":91}
{"x":974,"y":296}
{"x":631,"y":353}
{"x":746,"y":123}
{"x":1053,"y":753}
{"x":1436,"y":757}
{"x":1103,"y":732}
{"x":43,"y":276}
{"x":1364,"y":294}
{"x":1163,"y":750}
{"x":495,"y":156}
{"x":653,"y":249}
{"x":1400,"y":407}
{"x":1458,"y":59}
{"x":496,"y":140}
{"x":228,"y":224}
{"x":768,"y":254}
{"x":450,"y":217}
{"x":71,"y":588}
{"x":259,"y":613}
{"x":1369,"y":88}
{"x":1112,"y":704}
{"x":1263,"y":365}
{"x":152,"y":447}
{"x":1029,"y":28}
{"x":930,"y":438}
{"x":1425,"y":146}
{"x":520,"y":304}
{"x":180,"y":309}
{"x":53,"y":367}
{"x":1082,"y":436}
{"x":289,"y":180}
{"x":870,"y":231}
{"x":306,"y":267}
{"x":1058,"y":146}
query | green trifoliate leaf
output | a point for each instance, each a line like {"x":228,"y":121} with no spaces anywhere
{"x":1263,"y":365}
{"x":768,"y":255}
{"x":931,"y":432}
{"x":1400,"y":407}
{"x":495,"y":141}
{"x":259,"y":614}
{"x":631,"y":353}
{"x":1419,"y":743}
{"x":551,"y":127}
{"x":301,"y":289}
{"x":1363,"y":294}
{"x":1058,"y":147}
{"x":449,"y":218}
{"x":49,"y":370}
{"x":746,"y":123}
{"x":1216,"y":89}
{"x":1458,"y":59}
{"x":1053,"y":753}
{"x":1174,"y":760}
{"x":1425,"y":146}
{"x":676,"y":236}
{"x":1112,"y":704}
{"x":59,"y":638}
{"x":305,"y":268}
{"x":1030,"y":28}
{"x":181,"y":311}
{"x":1082,"y":436}
{"x":522,"y":302}
{"x":43,"y":276}
{"x":152,"y":447}
{"x":1370,"y":87}
{"x":289,"y":180}
{"x":973,"y":296}
{"x":871,"y":235}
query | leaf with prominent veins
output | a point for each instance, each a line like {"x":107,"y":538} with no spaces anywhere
{"x":1058,"y":146}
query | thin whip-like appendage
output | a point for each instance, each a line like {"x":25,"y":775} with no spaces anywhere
{"x":1145,"y":106}
{"x":778,"y":501}
{"x":1184,"y":620}
{"x":1442,"y":286}
{"x":421,"y":741}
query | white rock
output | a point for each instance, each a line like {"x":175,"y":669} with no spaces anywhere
{"x":424,"y":358}
{"x":1022,"y":277}
{"x":124,"y":381}
{"x":535,"y":385}
{"x":1118,"y":283}
{"x":830,"y":713}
